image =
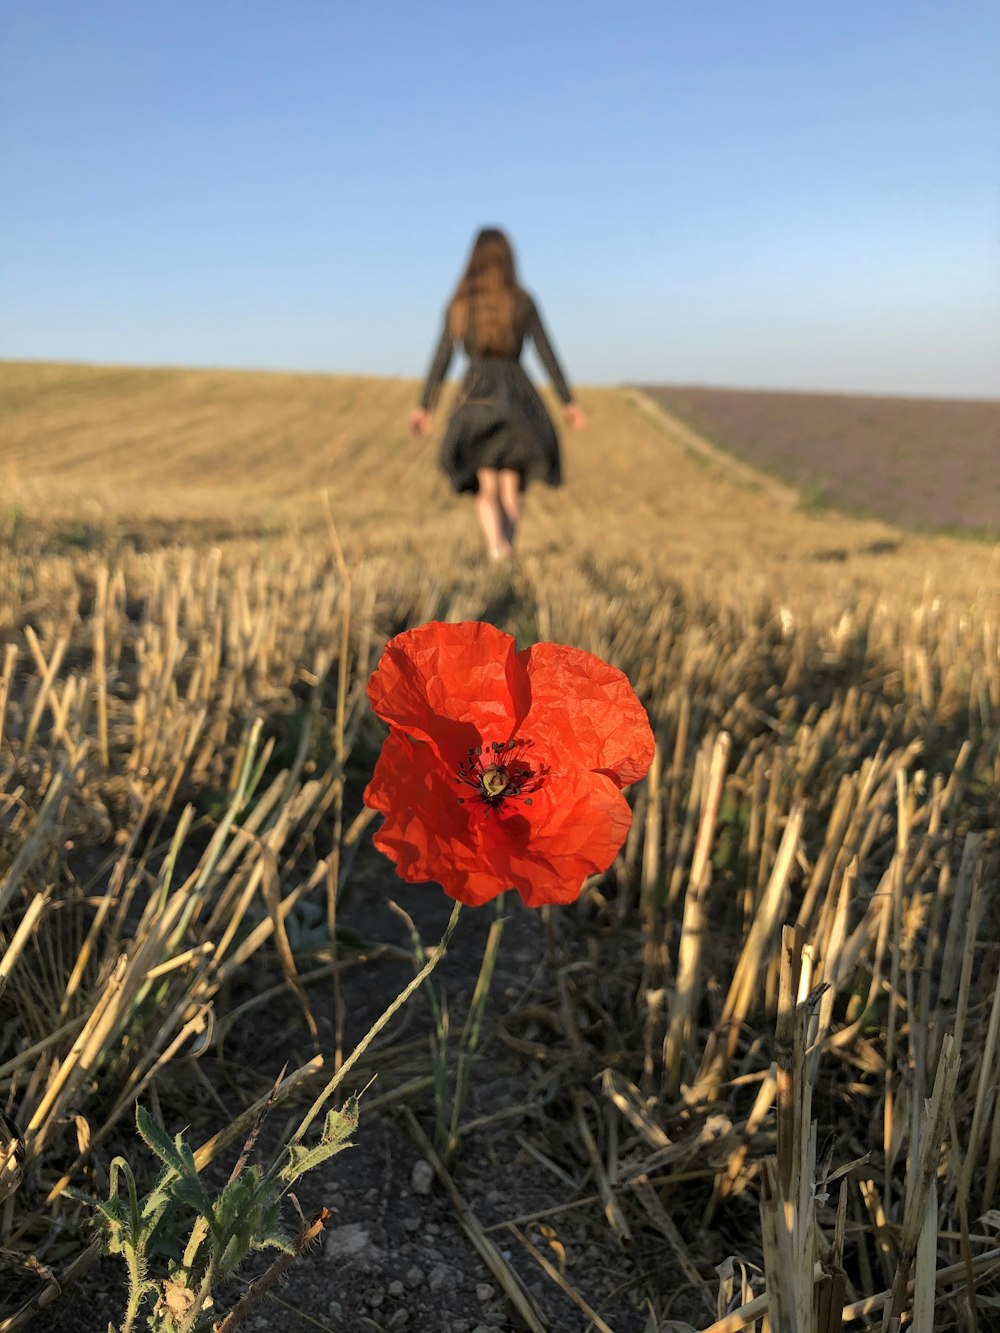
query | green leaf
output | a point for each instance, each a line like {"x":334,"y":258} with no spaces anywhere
{"x":232,"y":1256}
{"x":187,"y":1157}
{"x":81,"y":1196}
{"x":337,"y":1129}
{"x":157,"y":1139}
{"x":159,"y":1199}
{"x":191,"y":1192}
{"x":340,"y":1125}
{"x":274,"y":1240}
{"x":301,"y":1160}
{"x":113,"y":1212}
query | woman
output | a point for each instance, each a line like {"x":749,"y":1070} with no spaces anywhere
{"x":500,"y":436}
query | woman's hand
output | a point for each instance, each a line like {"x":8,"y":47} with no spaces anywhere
{"x":420,"y":422}
{"x":575,"y":415}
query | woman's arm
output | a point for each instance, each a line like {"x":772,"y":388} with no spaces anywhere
{"x":420,"y":417}
{"x":546,"y":353}
{"x":536,"y":330}
{"x":439,"y":368}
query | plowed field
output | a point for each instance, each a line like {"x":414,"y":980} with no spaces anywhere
{"x":920,"y":462}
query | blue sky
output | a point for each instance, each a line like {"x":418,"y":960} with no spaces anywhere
{"x":773,"y":194}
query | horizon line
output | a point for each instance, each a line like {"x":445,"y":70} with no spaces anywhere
{"x":640,"y":385}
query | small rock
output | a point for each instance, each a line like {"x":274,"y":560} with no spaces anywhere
{"x":484,"y":1293}
{"x":421,"y":1177}
{"x":396,"y":1289}
{"x":400,"y":1318}
{"x":432,"y":1229}
{"x":346,"y":1242}
{"x":413,"y":1277}
{"x":335,"y":1310}
{"x":442,"y":1278}
{"x":411,"y":1224}
{"x":376,"y":1298}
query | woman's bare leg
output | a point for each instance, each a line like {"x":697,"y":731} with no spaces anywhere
{"x":510,"y":503}
{"x":490,"y":514}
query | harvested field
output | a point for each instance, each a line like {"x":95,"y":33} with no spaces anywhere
{"x":753,"y":1066}
{"x":925,"y":463}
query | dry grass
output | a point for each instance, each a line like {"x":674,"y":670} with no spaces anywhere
{"x":182,"y":642}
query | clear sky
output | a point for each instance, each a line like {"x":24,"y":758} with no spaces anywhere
{"x":773,"y":193}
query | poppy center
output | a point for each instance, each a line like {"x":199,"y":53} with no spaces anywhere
{"x":500,"y":774}
{"x":495,"y":780}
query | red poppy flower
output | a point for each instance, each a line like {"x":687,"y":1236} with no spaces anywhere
{"x":502,"y":770}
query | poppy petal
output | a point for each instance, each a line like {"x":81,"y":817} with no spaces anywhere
{"x":578,"y":822}
{"x":450,"y":685}
{"x":592,"y":709}
{"x":426,"y":828}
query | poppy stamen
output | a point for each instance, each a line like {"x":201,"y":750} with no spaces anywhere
{"x":505,"y":776}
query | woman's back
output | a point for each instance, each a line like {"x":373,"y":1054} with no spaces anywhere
{"x":499,"y":436}
{"x":525,"y":322}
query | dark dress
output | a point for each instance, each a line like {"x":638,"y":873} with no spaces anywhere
{"x":499,"y":421}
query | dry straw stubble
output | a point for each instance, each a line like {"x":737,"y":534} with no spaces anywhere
{"x":828,"y":756}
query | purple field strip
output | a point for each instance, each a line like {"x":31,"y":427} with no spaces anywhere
{"x":919,"y":462}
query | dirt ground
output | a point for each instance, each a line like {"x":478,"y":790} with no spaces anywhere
{"x":395,"y":1254}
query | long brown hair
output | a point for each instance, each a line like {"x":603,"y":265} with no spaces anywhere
{"x":488,"y":297}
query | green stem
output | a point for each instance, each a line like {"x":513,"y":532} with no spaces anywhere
{"x":470,"y":1032}
{"x":135,"y":1287}
{"x":439,"y":1040}
{"x":376,"y":1028}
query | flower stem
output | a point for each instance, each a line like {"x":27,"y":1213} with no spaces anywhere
{"x":470,"y":1032}
{"x":439,"y":1037}
{"x":377,"y":1027}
